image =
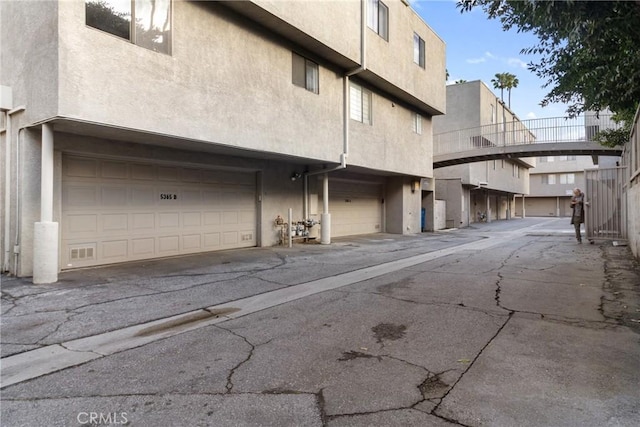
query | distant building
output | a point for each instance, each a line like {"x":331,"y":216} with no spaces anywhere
{"x":483,"y":190}
{"x":185,"y":127}
{"x":553,"y":179}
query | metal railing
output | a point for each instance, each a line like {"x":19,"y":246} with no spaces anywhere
{"x":532,"y":131}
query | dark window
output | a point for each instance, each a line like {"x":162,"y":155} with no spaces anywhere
{"x":378,"y":18}
{"x":305,"y":73}
{"x":152,"y":18}
{"x":418,"y":50}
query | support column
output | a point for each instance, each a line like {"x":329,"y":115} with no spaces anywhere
{"x":488,"y":207}
{"x":523,"y":213}
{"x":557,"y":206}
{"x":325,"y":217}
{"x":45,"y":233}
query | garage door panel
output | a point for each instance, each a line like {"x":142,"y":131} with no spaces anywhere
{"x":192,"y":219}
{"x":192,"y":242}
{"x":230,"y":237}
{"x":143,"y":172}
{"x":190,"y":197}
{"x":168,"y":244}
{"x":82,"y":168}
{"x":143,"y":196}
{"x":143,"y":222}
{"x":143,"y":246}
{"x":116,"y":222}
{"x":114,"y":196}
{"x":133,"y":211}
{"x":81,"y":195}
{"x":230,"y":218}
{"x":116,"y":170}
{"x":211,"y":240}
{"x":82,"y":224}
{"x":115,"y":249}
{"x":168,"y":173}
{"x":169,"y":220}
{"x":212,"y":218}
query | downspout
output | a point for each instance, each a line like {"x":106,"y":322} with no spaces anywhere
{"x":7,"y":186}
{"x":325,"y":218}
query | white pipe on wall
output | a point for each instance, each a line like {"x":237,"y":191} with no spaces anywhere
{"x":46,"y":177}
{"x":7,"y":186}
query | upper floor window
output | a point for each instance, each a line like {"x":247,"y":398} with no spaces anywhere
{"x":417,"y":123}
{"x":146,"y":23}
{"x":418,"y":50}
{"x":378,"y":18}
{"x":567,"y":178}
{"x":360,"y":103}
{"x":305,"y":73}
{"x":549,"y":179}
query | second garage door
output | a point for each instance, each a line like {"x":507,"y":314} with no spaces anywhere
{"x":356,"y":208}
{"x":115,"y":211}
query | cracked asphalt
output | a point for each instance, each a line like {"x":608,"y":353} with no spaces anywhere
{"x":510,"y":323}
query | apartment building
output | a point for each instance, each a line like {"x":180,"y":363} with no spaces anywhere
{"x":140,"y":130}
{"x":553,"y":179}
{"x":482,"y":190}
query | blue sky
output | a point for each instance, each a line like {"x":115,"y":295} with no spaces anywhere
{"x":478,"y":48}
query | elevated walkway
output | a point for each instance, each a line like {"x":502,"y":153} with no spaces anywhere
{"x":521,"y":139}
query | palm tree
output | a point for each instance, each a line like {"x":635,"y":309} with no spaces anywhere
{"x":512,"y":82}
{"x":500,"y":82}
{"x":460,"y":81}
{"x":505,"y":81}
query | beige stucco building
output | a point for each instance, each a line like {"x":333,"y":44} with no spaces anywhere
{"x":553,"y":179}
{"x":484,"y":189}
{"x":195,"y":128}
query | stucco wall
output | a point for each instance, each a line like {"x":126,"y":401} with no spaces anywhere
{"x":225,"y":83}
{"x":393,"y":59}
{"x":29,"y":60}
{"x":390,"y":143}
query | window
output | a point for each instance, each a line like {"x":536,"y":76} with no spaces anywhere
{"x":417,"y":123}
{"x":418,"y":50}
{"x":152,"y":18}
{"x":516,"y":170}
{"x":378,"y":18}
{"x":360,"y":103}
{"x":549,"y":179}
{"x":542,"y":159}
{"x":566,"y":158}
{"x":567,"y":178}
{"x":305,"y":73}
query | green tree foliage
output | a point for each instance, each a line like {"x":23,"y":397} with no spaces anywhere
{"x":589,"y":50}
{"x":616,"y":137}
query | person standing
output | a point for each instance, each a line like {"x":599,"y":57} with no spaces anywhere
{"x":577,"y":218}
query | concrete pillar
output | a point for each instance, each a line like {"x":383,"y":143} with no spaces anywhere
{"x":557,"y":206}
{"x":325,"y":217}
{"x":488,"y":207}
{"x":523,"y":212}
{"x":45,"y":233}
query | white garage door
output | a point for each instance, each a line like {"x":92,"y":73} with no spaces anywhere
{"x":540,"y":206}
{"x":115,"y":211}
{"x":355,"y":207}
